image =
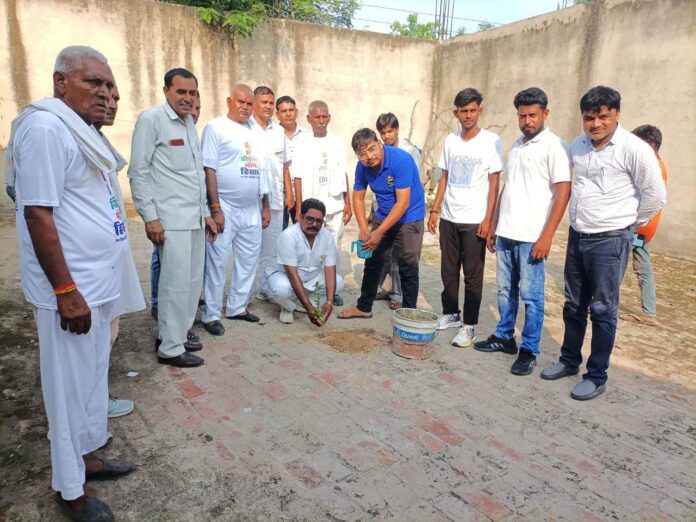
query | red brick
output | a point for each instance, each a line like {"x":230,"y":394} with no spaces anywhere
{"x":430,"y":443}
{"x":388,"y":384}
{"x":233,"y":360}
{"x":386,"y":458}
{"x":289,"y":364}
{"x":305,"y":474}
{"x":576,"y":462}
{"x":275,"y":391}
{"x":175,"y":373}
{"x":356,"y":457}
{"x":437,"y":428}
{"x":185,"y":414}
{"x":189,"y":389}
{"x":203,"y":408}
{"x":329,"y":378}
{"x":482,"y":501}
{"x":506,"y":450}
{"x":450,"y":378}
{"x":223,"y":451}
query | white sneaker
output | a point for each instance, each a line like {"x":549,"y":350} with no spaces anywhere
{"x":465,"y":337}
{"x":286,"y":316}
{"x":120,"y":407}
{"x":449,"y":321}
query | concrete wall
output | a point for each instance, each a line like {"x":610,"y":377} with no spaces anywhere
{"x":643,"y":48}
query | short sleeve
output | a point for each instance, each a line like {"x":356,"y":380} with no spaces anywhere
{"x":443,"y":162}
{"x":360,"y":182}
{"x":210,"y":147}
{"x":559,"y":162}
{"x":496,"y":162}
{"x":41,"y":161}
{"x":286,"y":251}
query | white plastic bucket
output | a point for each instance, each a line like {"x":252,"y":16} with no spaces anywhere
{"x":413,"y":331}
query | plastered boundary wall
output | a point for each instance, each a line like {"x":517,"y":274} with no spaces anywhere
{"x":644,"y":48}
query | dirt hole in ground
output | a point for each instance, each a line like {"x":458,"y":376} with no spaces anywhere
{"x":364,"y":340}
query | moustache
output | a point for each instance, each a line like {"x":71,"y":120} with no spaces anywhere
{"x":313,"y":229}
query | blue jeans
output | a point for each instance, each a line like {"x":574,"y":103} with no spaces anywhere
{"x":594,"y":268}
{"x":154,"y":277}
{"x":643,"y":270}
{"x":518,"y":275}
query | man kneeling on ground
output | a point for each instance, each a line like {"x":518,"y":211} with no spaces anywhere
{"x":305,"y":267}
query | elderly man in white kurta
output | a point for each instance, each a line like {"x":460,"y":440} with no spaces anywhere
{"x":72,"y":244}
{"x":238,"y":187}
{"x":304,"y":271}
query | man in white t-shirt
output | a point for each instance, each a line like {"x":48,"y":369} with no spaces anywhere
{"x":532,"y":204}
{"x":388,"y":127}
{"x":286,"y":112}
{"x":272,"y":138}
{"x":236,"y":175}
{"x":304,"y":271}
{"x":72,"y":243}
{"x":471,"y":162}
{"x":319,"y":172}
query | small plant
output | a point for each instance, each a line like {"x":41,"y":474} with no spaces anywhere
{"x":318,"y":312}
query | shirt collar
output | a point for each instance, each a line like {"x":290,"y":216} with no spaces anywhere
{"x":618,"y":137}
{"x":253,"y":123}
{"x":172,"y":113}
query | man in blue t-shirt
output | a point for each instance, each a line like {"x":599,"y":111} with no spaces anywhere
{"x":392,"y":175}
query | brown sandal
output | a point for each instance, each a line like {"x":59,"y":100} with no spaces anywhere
{"x":354,"y":313}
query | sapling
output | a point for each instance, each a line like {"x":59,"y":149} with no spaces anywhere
{"x":318,"y":312}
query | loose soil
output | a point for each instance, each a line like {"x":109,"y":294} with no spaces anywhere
{"x":364,"y":340}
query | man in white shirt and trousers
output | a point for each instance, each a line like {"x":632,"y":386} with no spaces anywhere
{"x":319,"y":171}
{"x":618,"y":186}
{"x":236,"y":175}
{"x":72,"y":245}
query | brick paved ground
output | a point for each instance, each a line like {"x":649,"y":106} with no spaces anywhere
{"x":279,"y":425}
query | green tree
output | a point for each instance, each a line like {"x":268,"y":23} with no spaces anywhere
{"x":412,"y":29}
{"x":243,"y":16}
{"x":485,"y":25}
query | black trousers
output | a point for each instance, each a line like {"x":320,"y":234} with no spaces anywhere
{"x":461,"y":247}
{"x":406,"y":241}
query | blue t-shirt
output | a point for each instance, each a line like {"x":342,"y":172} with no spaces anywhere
{"x":399,"y":171}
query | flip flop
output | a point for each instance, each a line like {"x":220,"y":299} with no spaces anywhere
{"x":248,"y":317}
{"x":354,"y":313}
{"x":639,"y":318}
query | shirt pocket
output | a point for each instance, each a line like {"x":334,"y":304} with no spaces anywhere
{"x":180,"y":154}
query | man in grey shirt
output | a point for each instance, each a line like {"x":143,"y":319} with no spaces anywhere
{"x":168,"y":188}
{"x":618,"y":186}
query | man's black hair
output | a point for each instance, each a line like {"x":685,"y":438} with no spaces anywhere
{"x":649,"y":134}
{"x":184,"y":73}
{"x":285,"y":99}
{"x":362,"y":137}
{"x":531,"y":96}
{"x":466,"y":96}
{"x":263,"y":89}
{"x":598,"y":97}
{"x":311,"y":203}
{"x":385,"y":120}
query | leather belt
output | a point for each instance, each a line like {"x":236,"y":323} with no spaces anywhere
{"x":608,"y":233}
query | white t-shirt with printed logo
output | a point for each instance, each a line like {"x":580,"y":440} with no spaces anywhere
{"x":51,"y":171}
{"x":321,"y":165}
{"x":239,"y":160}
{"x":272,"y":138}
{"x":469,"y":164}
{"x":531,"y":171}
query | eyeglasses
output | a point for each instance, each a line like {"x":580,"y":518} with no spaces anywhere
{"x":370,"y":151}
{"x":313,"y":221}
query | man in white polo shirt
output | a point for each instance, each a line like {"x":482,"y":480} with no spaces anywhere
{"x":236,"y":175}
{"x":319,"y":171}
{"x":532,"y":204}
{"x":305,"y":267}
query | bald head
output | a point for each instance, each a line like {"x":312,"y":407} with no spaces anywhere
{"x":240,"y":103}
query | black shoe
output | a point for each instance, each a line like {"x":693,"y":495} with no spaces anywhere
{"x":338,"y":300}
{"x":246,"y":316}
{"x":524,"y":364}
{"x":496,"y":344}
{"x":185,"y":360}
{"x":93,"y":510}
{"x":111,"y":470}
{"x":193,"y":342}
{"x":214,"y":328}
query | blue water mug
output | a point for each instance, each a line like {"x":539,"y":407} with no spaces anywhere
{"x":362,"y":254}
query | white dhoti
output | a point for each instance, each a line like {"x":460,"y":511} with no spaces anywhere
{"x":182,"y":258}
{"x":74,"y":371}
{"x":269,"y":242}
{"x":131,"y":298}
{"x":241,"y":237}
{"x":334,"y":224}
{"x":279,"y":290}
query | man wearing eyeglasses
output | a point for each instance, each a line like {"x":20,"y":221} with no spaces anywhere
{"x":305,"y":267}
{"x":392,"y":175}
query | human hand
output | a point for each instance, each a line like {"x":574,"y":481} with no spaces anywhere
{"x":490,"y":242}
{"x":373,"y":240}
{"x":347,"y":214}
{"x":74,"y":313}
{"x":433,"y":220}
{"x":154,"y":231}
{"x":542,"y":248}
{"x":364,"y":234}
{"x":219,"y":219}
{"x":482,"y":230}
{"x":326,"y":311}
{"x":289,"y":201}
{"x":211,"y":229}
{"x":265,"y":217}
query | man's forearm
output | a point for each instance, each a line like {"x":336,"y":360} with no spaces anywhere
{"x":49,"y":251}
{"x":395,"y":214}
{"x":559,"y":203}
{"x":211,"y":186}
{"x":493,"y":181}
{"x":330,"y":280}
{"x":359,"y":208}
{"x":264,"y":202}
{"x":297,"y":286}
{"x":287,"y":182}
{"x":440,"y":194}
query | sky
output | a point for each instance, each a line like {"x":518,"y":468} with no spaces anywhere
{"x":373,"y":16}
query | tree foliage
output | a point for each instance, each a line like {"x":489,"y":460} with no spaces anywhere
{"x":243,"y":16}
{"x":485,"y":25}
{"x":413,"y":29}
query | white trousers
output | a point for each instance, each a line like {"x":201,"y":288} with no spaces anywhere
{"x":279,"y":290}
{"x":182,"y":257}
{"x":241,"y":237}
{"x":74,"y":382}
{"x":269,"y":243}
{"x":334,"y":225}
